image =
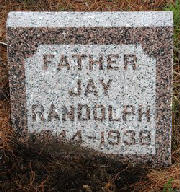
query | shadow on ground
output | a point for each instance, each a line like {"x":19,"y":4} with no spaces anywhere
{"x":61,"y":167}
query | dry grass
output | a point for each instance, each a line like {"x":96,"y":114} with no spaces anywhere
{"x":27,"y":170}
{"x":158,"y":178}
{"x":5,"y":131}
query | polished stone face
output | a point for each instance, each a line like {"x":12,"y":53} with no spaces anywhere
{"x":103,"y":79}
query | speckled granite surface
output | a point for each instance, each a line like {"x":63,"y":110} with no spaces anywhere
{"x":103,"y":79}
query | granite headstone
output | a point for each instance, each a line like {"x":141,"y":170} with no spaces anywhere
{"x":103,"y":79}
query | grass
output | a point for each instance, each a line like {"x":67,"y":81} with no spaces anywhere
{"x":175,"y":7}
{"x":35,"y":167}
{"x":168,"y":186}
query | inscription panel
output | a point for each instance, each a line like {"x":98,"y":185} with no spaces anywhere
{"x":100,"y":95}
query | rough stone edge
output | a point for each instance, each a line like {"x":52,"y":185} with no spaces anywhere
{"x":90,"y":19}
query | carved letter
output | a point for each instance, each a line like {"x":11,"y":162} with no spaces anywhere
{"x":105,"y":86}
{"x":71,"y":93}
{"x":77,"y":137}
{"x":115,"y":136}
{"x":130,"y":137}
{"x":102,"y":117}
{"x":147,"y":113}
{"x":47,"y":60}
{"x":70,"y":113}
{"x":53,"y":113}
{"x":145,"y":137}
{"x":130,"y":59}
{"x":79,"y":60}
{"x":63,"y":63}
{"x":92,"y":62}
{"x":110,"y":61}
{"x":110,"y":114}
{"x":126,"y":112}
{"x":80,"y":112}
{"x":91,"y":88}
{"x":37,"y":109}
{"x":102,"y":137}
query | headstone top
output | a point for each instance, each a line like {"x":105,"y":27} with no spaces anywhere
{"x":89,"y":19}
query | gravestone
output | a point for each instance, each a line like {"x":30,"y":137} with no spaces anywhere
{"x":103,"y":79}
